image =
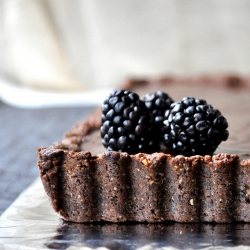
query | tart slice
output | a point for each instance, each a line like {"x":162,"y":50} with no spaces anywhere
{"x":85,"y":182}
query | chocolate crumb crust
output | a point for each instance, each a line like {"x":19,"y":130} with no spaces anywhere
{"x":118,"y":187}
{"x":158,"y":187}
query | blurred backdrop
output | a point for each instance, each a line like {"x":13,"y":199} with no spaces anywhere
{"x":85,"y":45}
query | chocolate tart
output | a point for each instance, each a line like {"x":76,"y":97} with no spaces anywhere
{"x":87,"y":183}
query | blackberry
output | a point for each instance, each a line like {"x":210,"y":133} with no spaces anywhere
{"x":193,"y":127}
{"x":157,"y":104}
{"x":126,"y":124}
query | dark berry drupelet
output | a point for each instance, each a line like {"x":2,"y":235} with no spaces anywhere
{"x":126,"y":124}
{"x":193,"y":127}
{"x":157,"y":103}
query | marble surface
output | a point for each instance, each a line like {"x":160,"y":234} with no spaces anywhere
{"x":30,"y":223}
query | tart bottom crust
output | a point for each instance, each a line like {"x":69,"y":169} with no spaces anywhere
{"x":118,"y":187}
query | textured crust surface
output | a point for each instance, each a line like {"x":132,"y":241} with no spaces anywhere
{"x":118,"y":187}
